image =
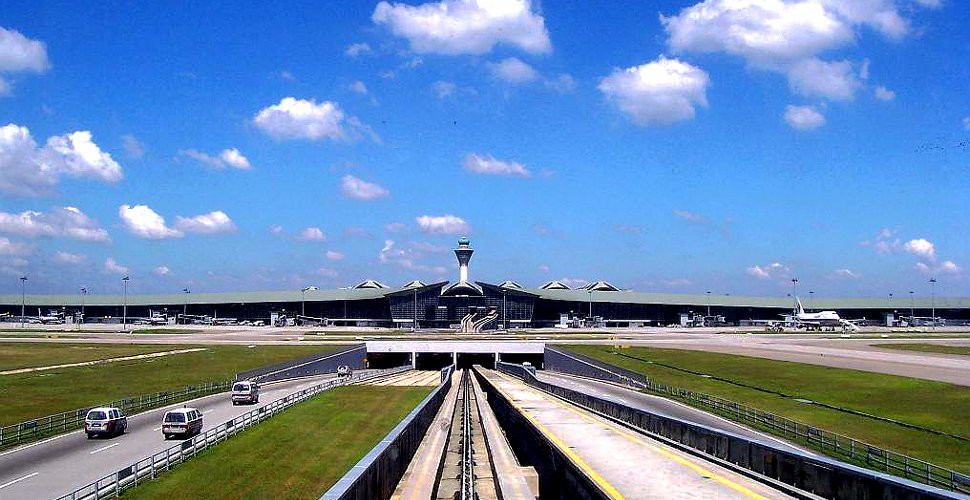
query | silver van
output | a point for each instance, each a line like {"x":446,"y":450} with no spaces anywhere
{"x":245,"y":392}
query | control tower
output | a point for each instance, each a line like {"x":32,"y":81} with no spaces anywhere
{"x":464,"y":254}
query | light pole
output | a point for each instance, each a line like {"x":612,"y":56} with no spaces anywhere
{"x":933,"y":300}
{"x":185,"y":303}
{"x":811,"y":300}
{"x":794,"y":281}
{"x":124,"y":310}
{"x":505,"y":319}
{"x":708,"y":303}
{"x":303,"y":302}
{"x":590,"y":292}
{"x":84,"y":293}
{"x":912,"y":309}
{"x":23,"y":299}
{"x":414,"y":320}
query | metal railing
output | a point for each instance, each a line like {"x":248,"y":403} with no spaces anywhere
{"x":324,"y":362}
{"x":377,"y":474}
{"x":49,"y":425}
{"x":148,"y":468}
{"x":830,"y":443}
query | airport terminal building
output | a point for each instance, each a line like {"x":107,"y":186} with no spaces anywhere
{"x":484,"y":306}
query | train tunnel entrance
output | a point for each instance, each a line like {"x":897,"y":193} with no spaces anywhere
{"x":519,"y":358}
{"x":467,"y":359}
{"x":433,"y":360}
{"x":382,"y":360}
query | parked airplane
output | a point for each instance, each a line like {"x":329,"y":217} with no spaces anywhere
{"x":821,"y":319}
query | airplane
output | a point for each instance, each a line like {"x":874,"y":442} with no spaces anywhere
{"x":821,"y":319}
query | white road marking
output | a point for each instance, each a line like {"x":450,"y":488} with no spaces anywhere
{"x":104,"y":448}
{"x":157,"y":429}
{"x":19,"y":479}
{"x":209,"y":411}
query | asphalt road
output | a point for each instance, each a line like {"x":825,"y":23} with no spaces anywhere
{"x":659,"y":405}
{"x":56,"y":466}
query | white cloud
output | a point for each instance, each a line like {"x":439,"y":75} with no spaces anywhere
{"x":543,"y":268}
{"x":26,"y":170}
{"x":6,"y":88}
{"x":113,"y":267}
{"x":161,"y":271}
{"x":327,"y":272}
{"x":844,"y":274}
{"x":513,"y":70}
{"x":442,"y":224}
{"x":966,"y":123}
{"x":406,"y":258}
{"x":358,"y":49}
{"x":564,"y":84}
{"x":831,"y":80}
{"x":69,"y":258}
{"x":143,"y":222}
{"x":132,"y":146}
{"x":803,"y":117}
{"x":443,"y":89}
{"x":334,"y":255}
{"x":884,"y":94}
{"x":396,"y":227}
{"x":19,"y":53}
{"x":949,"y":267}
{"x":276,"y":230}
{"x":65,"y":222}
{"x":488,"y":165}
{"x":771,"y":271}
{"x":691,"y":217}
{"x":657,"y":93}
{"x":360,"y":189}
{"x":921,"y":248}
{"x":466,"y":26}
{"x":295,"y":118}
{"x":216,"y":222}
{"x":227,"y":158}
{"x":359,"y":87}
{"x":311,"y":234}
{"x":8,"y":247}
{"x":945,"y":267}
{"x":676,"y":282}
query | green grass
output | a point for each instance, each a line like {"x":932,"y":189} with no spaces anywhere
{"x":937,"y":348}
{"x":31,"y":355}
{"x":930,"y":404}
{"x":35,"y":394}
{"x":298,"y":454}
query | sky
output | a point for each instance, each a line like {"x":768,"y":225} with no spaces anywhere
{"x":724,"y":146}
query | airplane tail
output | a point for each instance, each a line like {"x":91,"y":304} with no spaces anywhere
{"x":798,"y":307}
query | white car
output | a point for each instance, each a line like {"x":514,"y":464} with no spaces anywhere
{"x":105,"y":421}
{"x":245,"y":392}
{"x":181,"y":422}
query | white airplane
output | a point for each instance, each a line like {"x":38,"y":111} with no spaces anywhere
{"x":821,"y":319}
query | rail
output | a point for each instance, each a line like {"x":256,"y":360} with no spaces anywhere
{"x":376,"y":475}
{"x":828,"y":442}
{"x":467,"y":461}
{"x":821,"y":476}
{"x":314,"y":364}
{"x":148,"y":468}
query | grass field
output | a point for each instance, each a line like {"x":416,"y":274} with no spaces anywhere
{"x":757,"y":382}
{"x":299,"y":454}
{"x":936,"y":348}
{"x":35,"y":394}
{"x":28,"y":355}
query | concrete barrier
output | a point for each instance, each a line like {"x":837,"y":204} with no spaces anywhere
{"x":315,"y":364}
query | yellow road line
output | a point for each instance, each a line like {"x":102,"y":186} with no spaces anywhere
{"x":639,"y":440}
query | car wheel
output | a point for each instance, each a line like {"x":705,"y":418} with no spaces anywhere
{"x":90,"y":435}
{"x":166,"y":436}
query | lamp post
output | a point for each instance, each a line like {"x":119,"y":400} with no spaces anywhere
{"x":303,"y":302}
{"x":708,"y":303}
{"x":185,"y":303}
{"x":414,"y":320}
{"x":84,"y":293}
{"x":23,"y":299}
{"x":124,"y":310}
{"x":912,"y":309}
{"x":794,"y":282}
{"x":933,"y":300}
{"x":811,"y":300}
{"x":590,"y":292}
{"x":505,"y":319}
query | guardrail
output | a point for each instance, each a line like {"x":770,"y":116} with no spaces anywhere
{"x":376,"y":475}
{"x":315,"y":364}
{"x":148,"y":468}
{"x":38,"y":428}
{"x":831,"y":443}
{"x":818,"y":475}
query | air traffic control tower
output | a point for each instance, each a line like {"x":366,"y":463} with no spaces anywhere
{"x":464,"y":253}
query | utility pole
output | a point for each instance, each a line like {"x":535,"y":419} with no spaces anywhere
{"x":590,"y":304}
{"x":303,"y":302}
{"x":708,"y":303}
{"x":23,"y":299}
{"x":912,"y":309}
{"x":933,"y":300}
{"x":505,"y":319}
{"x":811,"y":300}
{"x":794,"y":281}
{"x":414,"y":320}
{"x":185,"y":303}
{"x":124,"y":310}
{"x":84,"y":293}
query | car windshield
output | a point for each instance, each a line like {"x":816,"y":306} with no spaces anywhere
{"x":175,"y":417}
{"x":240,"y":387}
{"x":97,"y":415}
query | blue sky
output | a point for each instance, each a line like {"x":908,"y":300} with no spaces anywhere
{"x":674,"y":146}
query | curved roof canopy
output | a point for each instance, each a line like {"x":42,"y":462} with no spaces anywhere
{"x":370,"y":284}
{"x":414,"y":284}
{"x":462,"y":288}
{"x":511,"y":284}
{"x":600,"y":286}
{"x":555,"y":285}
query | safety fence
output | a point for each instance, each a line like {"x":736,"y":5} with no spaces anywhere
{"x":315,"y":364}
{"x":817,"y":475}
{"x":830,"y":443}
{"x":49,"y":425}
{"x":377,"y":474}
{"x":148,"y":468}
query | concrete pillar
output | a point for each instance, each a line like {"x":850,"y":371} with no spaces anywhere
{"x":498,"y":358}
{"x":454,"y":358}
{"x":414,"y":360}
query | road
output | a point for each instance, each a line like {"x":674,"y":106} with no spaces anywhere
{"x":659,"y":405}
{"x":58,"y":465}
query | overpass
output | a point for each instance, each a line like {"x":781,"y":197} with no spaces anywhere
{"x":434,"y":355}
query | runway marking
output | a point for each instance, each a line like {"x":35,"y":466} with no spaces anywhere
{"x":19,"y":479}
{"x":99,"y":450}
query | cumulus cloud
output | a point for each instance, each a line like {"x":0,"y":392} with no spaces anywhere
{"x":143,"y":222}
{"x":26,"y":170}
{"x":69,"y":258}
{"x":133,"y":147}
{"x":359,"y":87}
{"x":488,"y":165}
{"x":945,"y":267}
{"x":8,"y":247}
{"x":64,"y":222}
{"x":513,"y":70}
{"x":921,"y":248}
{"x":884,"y":94}
{"x":311,"y":234}
{"x":442,"y":224}
{"x":844,"y":274}
{"x":817,"y":78}
{"x":334,"y":255}
{"x":774,"y":270}
{"x":227,"y":158}
{"x":216,"y":222}
{"x":405,"y":257}
{"x":803,"y":117}
{"x":659,"y":92}
{"x":113,"y":267}
{"x":19,"y":53}
{"x":161,"y":271}
{"x":295,"y":118}
{"x":465,"y":26}
{"x":359,"y":189}
{"x":443,"y":89}
{"x":358,"y":49}
{"x":327,"y":272}
{"x":563,"y":84}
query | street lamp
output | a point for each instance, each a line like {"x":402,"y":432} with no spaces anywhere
{"x":303,"y":302}
{"x":708,"y":303}
{"x":84,"y":293}
{"x":794,"y":281}
{"x":933,"y":300}
{"x":23,"y":299}
{"x":185,"y":303}
{"x":590,"y":292}
{"x":811,"y":300}
{"x":124,"y":310}
{"x":505,"y":319}
{"x":912,"y":309}
{"x":414,"y":319}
